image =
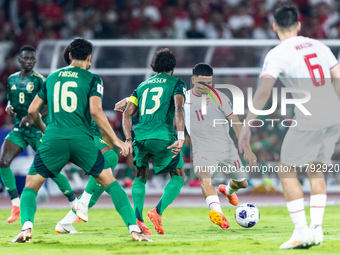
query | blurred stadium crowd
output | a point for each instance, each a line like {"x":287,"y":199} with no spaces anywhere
{"x":29,"y":21}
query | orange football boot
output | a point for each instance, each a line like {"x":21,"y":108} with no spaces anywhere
{"x":14,"y":215}
{"x":143,"y":227}
{"x":218,"y":219}
{"x":77,"y":220}
{"x":232,"y":199}
{"x":156,"y":220}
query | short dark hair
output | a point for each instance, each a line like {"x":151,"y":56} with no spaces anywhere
{"x":286,"y":16}
{"x":80,"y":48}
{"x":27,"y":48}
{"x":202,"y":69}
{"x":66,"y":56}
{"x":163,"y":61}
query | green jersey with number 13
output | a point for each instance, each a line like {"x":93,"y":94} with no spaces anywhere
{"x":155,"y":99}
{"x":67,"y":92}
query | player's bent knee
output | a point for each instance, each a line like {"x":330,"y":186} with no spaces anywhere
{"x":205,"y":181}
{"x":34,"y":181}
{"x":4,"y":163}
{"x":105,"y":178}
{"x":179,"y":172}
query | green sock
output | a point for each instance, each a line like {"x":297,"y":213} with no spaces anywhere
{"x":128,"y":171}
{"x":8,"y":180}
{"x":64,"y":187}
{"x":28,"y":206}
{"x":138,"y":197}
{"x":95,"y":196}
{"x":121,"y":203}
{"x":92,"y":186}
{"x":171,"y":191}
{"x":111,"y":157}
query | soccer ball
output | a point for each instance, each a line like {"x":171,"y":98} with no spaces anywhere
{"x":247,"y":215}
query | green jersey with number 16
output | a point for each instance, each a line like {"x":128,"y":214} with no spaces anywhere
{"x":67,"y":92}
{"x":155,"y":99}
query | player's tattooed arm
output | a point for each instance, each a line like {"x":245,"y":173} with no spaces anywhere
{"x":335,"y":74}
{"x":33,"y":112}
{"x":10,"y":109}
{"x":130,"y":110}
{"x":180,"y":124}
{"x":99,"y":117}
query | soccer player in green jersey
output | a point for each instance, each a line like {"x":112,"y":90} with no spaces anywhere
{"x":73,"y":95}
{"x":93,"y":189}
{"x":22,"y":88}
{"x":159,"y":100}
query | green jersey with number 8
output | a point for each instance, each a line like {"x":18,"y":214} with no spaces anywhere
{"x":67,"y":92}
{"x":155,"y":99}
{"x":21,"y":92}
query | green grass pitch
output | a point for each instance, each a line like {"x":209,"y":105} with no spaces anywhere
{"x":187,"y":231}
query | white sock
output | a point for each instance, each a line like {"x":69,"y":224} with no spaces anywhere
{"x":69,"y":218}
{"x":214,"y":203}
{"x":297,"y":213}
{"x":73,"y":203}
{"x":27,"y":224}
{"x":16,"y":202}
{"x":134,"y":228}
{"x":229,"y":190}
{"x":317,"y":208}
{"x":85,"y":198}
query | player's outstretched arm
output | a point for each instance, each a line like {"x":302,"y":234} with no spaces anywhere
{"x":180,"y":124}
{"x":120,"y":106}
{"x":99,"y":117}
{"x":335,"y":74}
{"x":33,"y":112}
{"x":260,"y":99}
{"x":130,"y":110}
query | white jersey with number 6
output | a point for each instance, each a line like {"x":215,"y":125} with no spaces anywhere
{"x":305,"y":63}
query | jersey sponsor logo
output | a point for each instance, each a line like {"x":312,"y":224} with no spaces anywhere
{"x":68,"y":74}
{"x":14,"y":87}
{"x":30,"y":87}
{"x":100,"y":89}
{"x":157,"y":80}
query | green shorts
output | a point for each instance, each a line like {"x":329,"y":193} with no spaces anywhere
{"x":101,"y":144}
{"x":19,"y":139}
{"x":53,"y":155}
{"x":156,"y":150}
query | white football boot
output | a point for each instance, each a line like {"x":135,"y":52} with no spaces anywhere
{"x":317,"y":234}
{"x":301,"y":239}
{"x":82,"y":211}
{"x":65,"y":229}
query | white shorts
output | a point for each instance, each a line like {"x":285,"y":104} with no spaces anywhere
{"x":312,"y":146}
{"x":205,"y":166}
